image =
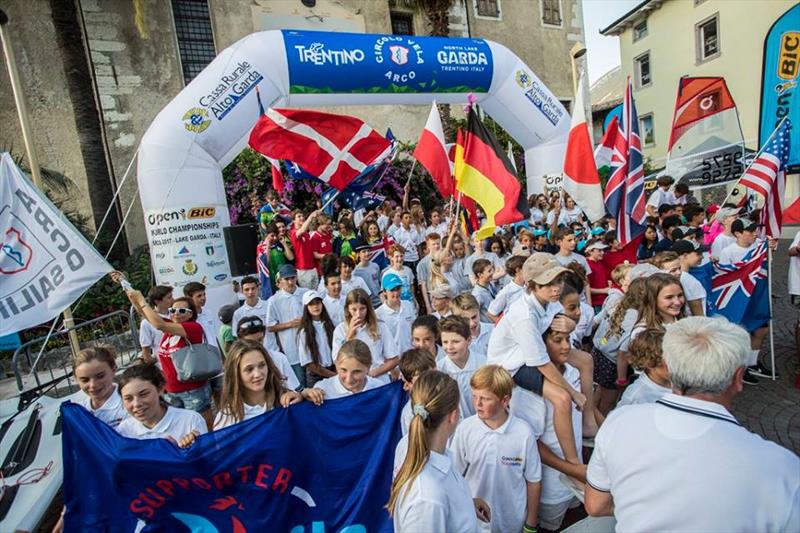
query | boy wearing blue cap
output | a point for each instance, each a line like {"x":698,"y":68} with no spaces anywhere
{"x":397,"y":313}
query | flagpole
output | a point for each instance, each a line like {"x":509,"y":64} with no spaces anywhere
{"x":771,"y":323}
{"x":330,"y":200}
{"x":761,"y":149}
{"x":30,"y":149}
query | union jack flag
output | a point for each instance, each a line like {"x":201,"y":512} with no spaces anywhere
{"x":767,"y":177}
{"x":262,"y":265}
{"x":624,"y":195}
{"x":739,"y":291}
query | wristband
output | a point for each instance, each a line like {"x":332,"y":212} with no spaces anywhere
{"x":529,"y":529}
{"x":622,"y":382}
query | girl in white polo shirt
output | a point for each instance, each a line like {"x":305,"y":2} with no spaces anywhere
{"x":428,"y":494}
{"x":314,"y":339}
{"x":353,"y":364}
{"x":94,"y":371}
{"x":141,"y":386}
{"x":361,"y":323}
{"x":253,"y":385}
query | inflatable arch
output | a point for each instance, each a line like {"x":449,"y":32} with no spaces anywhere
{"x":205,"y":126}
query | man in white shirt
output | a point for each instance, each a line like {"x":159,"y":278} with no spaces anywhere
{"x":252,"y":306}
{"x":284,"y":311}
{"x":160,"y":297}
{"x":685,"y":463}
{"x":660,"y":196}
{"x":197,"y":292}
{"x":408,"y":237}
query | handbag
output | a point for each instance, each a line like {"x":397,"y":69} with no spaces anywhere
{"x":197,"y":362}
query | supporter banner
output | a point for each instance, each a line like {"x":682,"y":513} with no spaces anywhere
{"x":303,"y":469}
{"x":779,"y":85}
{"x":363,"y":63}
{"x":187,"y":244}
{"x":45,"y":263}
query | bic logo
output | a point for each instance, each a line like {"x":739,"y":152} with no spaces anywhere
{"x":789,"y":59}
{"x":201,"y":212}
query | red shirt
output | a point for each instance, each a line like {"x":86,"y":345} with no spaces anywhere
{"x":598,"y":279}
{"x":303,"y":250}
{"x":171,"y":344}
{"x":322,"y":243}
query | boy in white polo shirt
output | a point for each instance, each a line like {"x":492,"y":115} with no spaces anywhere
{"x":284,"y":310}
{"x":496,"y":452}
{"x":690,"y":255}
{"x":458,"y":362}
{"x":252,"y":305}
{"x":511,"y":291}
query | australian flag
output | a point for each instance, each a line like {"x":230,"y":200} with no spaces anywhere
{"x":740,"y":291}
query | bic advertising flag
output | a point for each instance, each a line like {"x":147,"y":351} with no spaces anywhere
{"x":581,"y":180}
{"x":305,"y":469}
{"x":45,"y":263}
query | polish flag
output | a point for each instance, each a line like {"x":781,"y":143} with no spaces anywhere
{"x":581,"y":180}
{"x":431,"y":152}
{"x":333,"y":148}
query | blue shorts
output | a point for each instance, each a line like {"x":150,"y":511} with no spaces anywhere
{"x":198,"y":399}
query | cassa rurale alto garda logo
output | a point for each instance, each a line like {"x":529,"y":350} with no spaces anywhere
{"x":196,"y":120}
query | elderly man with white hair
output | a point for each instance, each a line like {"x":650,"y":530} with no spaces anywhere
{"x":684,"y":463}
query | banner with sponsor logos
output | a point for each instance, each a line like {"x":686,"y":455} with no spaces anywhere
{"x":305,"y":469}
{"x":779,"y":86}
{"x":189,"y":245}
{"x":45,"y":263}
{"x":208,"y":123}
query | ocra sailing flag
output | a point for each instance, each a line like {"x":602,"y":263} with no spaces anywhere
{"x":45,"y":264}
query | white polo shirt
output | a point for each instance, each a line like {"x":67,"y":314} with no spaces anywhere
{"x":505,"y":297}
{"x":438,"y":500}
{"x":405,"y":419}
{"x":692,"y":290}
{"x":224,"y":420}
{"x":333,"y":388}
{"x":290,"y":380}
{"x":259,"y":310}
{"x":176,"y":423}
{"x":498,"y":464}
{"x":643,"y":390}
{"x":462,"y":377}
{"x":565,"y":260}
{"x":399,"y":322}
{"x":480,"y":344}
{"x":684,"y":464}
{"x":553,"y":489}
{"x":355,"y":282}
{"x":149,"y":336}
{"x":382,"y":348}
{"x":734,"y":253}
{"x":112,"y":412}
{"x":335,"y":307}
{"x":323,"y":346}
{"x":283,"y":307}
{"x":210,"y":324}
{"x":721,"y":242}
{"x":517,"y":338}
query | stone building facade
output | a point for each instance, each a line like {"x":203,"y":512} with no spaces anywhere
{"x":96,"y":72}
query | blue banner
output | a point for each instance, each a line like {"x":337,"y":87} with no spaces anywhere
{"x":779,"y":86}
{"x":10,"y":341}
{"x":322,"y":62}
{"x":305,"y":469}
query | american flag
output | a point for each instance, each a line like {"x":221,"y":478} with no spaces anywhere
{"x":767,"y":177}
{"x":624,"y":195}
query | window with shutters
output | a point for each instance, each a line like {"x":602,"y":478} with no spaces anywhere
{"x":487,"y":8}
{"x":195,"y":36}
{"x":551,"y":12}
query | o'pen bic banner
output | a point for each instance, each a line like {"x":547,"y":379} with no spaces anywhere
{"x":301,"y":470}
{"x":45,"y":263}
{"x":780,"y":94}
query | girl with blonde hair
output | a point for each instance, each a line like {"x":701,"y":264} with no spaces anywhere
{"x":253,"y":385}
{"x":428,"y":494}
{"x":360,"y":322}
{"x":94,"y":370}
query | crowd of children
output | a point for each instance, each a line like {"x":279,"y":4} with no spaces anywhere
{"x":499,"y":342}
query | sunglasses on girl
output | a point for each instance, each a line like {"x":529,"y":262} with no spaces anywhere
{"x":179,"y":310}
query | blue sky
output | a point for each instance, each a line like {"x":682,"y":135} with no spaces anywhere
{"x":603,"y":52}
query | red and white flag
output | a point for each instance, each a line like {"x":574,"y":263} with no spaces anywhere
{"x":333,"y":148}
{"x":581,"y":180}
{"x":431,"y":152}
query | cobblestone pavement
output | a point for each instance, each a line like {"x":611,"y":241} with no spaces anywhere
{"x":772,"y":409}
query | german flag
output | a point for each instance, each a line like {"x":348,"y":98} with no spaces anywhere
{"x":484,"y":173}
